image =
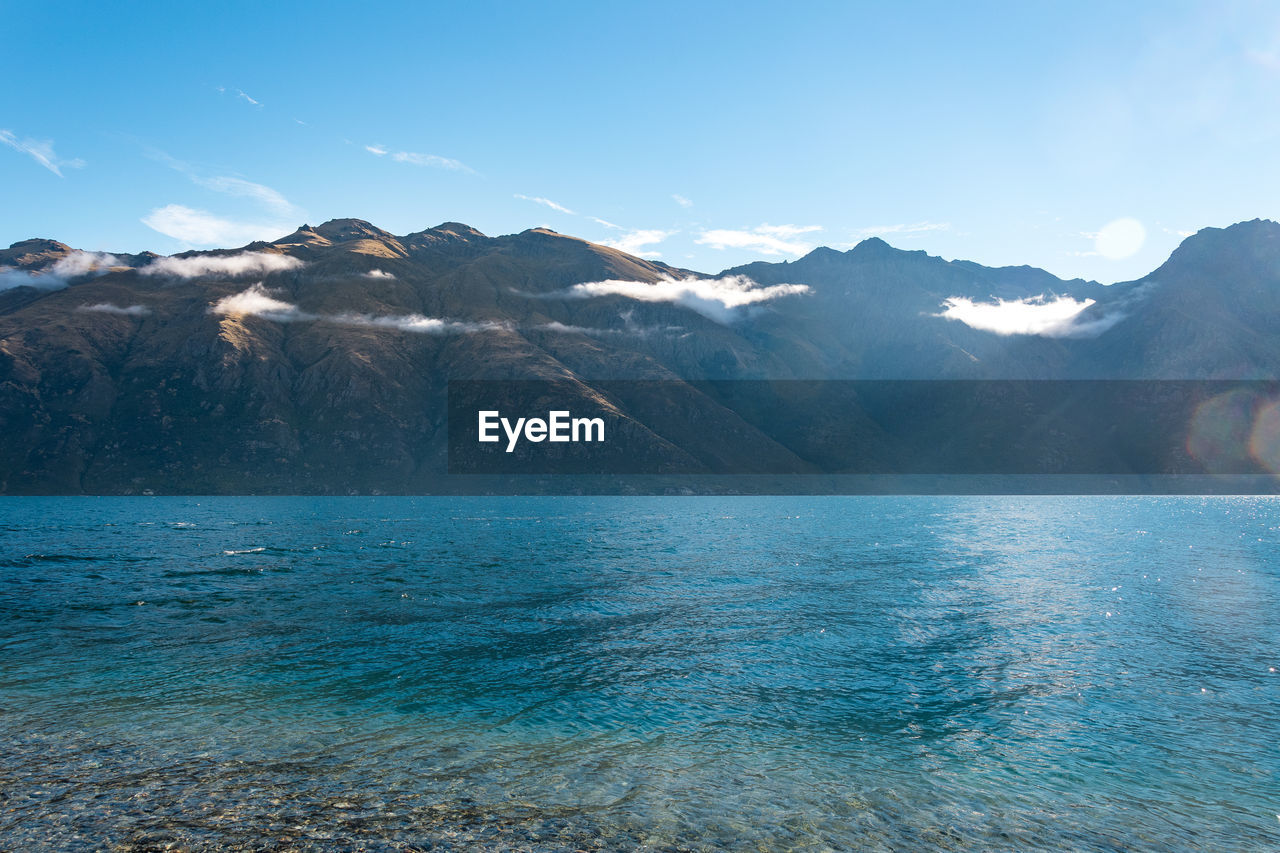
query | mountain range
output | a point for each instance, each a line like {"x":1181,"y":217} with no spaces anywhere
{"x":318,"y":363}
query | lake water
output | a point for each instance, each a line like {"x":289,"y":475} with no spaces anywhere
{"x":765,"y":673}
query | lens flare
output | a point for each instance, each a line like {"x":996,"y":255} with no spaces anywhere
{"x":1264,"y":440}
{"x":1219,"y":437}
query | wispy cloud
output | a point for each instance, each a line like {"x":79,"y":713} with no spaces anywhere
{"x":681,"y":200}
{"x":225,"y":266}
{"x":629,"y":328}
{"x":720,"y":299}
{"x":1056,"y":317}
{"x":56,"y":276}
{"x":545,"y":202}
{"x":378,"y":274}
{"x":416,"y":323}
{"x":201,"y":228}
{"x":111,"y":308}
{"x":263,"y":195}
{"x":634,"y":242}
{"x":228,"y":185}
{"x":430,"y":160}
{"x":901,"y":229}
{"x":415,"y":159}
{"x":41,"y":151}
{"x":257,"y":301}
{"x":765,"y":239}
{"x":240,"y":93}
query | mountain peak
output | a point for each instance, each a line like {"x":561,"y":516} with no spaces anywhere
{"x":459,"y":228}
{"x":447,"y":232}
{"x":342,"y":230}
{"x":872,"y":245}
{"x":1255,"y":243}
{"x":35,"y":252}
{"x":822,"y":253}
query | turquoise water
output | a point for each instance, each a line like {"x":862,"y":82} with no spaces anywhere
{"x":871,"y":673}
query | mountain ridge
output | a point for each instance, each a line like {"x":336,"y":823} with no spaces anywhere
{"x":317,"y":363}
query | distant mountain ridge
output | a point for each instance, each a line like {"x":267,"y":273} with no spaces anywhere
{"x":317,"y":362}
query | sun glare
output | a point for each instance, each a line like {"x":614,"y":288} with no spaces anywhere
{"x":1120,"y":239}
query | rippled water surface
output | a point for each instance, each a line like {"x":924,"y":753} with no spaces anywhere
{"x":872,"y":673}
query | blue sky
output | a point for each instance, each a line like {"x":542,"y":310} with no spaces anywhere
{"x":707,"y":134}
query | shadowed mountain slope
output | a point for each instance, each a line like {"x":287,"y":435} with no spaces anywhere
{"x":318,"y":362}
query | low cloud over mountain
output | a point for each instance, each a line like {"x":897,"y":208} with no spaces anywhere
{"x":317,"y":362}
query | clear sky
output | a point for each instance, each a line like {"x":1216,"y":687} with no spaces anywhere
{"x":706,"y":134}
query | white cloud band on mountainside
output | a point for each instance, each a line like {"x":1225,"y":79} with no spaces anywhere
{"x":228,"y":266}
{"x":56,"y":276}
{"x":1057,"y":317}
{"x":718,"y":299}
{"x":412,"y":323}
{"x":256,"y":301}
{"x":112,"y":308}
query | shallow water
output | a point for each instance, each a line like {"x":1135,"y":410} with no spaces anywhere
{"x":873,"y":673}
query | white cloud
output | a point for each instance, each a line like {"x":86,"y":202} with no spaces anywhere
{"x":256,"y":301}
{"x":563,"y":329}
{"x":415,"y":159}
{"x":41,"y":151}
{"x":240,"y":94}
{"x":1057,"y":317}
{"x":84,"y":263}
{"x":606,"y":223}
{"x":630,"y":328}
{"x":264,"y":195}
{"x":718,"y":299}
{"x":433,"y":160}
{"x":378,"y":274}
{"x":227,"y":266}
{"x":57,"y":275}
{"x":634,"y":242}
{"x":413,"y":323}
{"x":681,"y":200}
{"x":110,"y":308}
{"x":545,"y":202}
{"x":202,"y":228}
{"x":904,"y":229}
{"x":765,"y":239}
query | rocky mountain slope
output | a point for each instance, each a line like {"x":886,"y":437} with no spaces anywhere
{"x":317,"y":363}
